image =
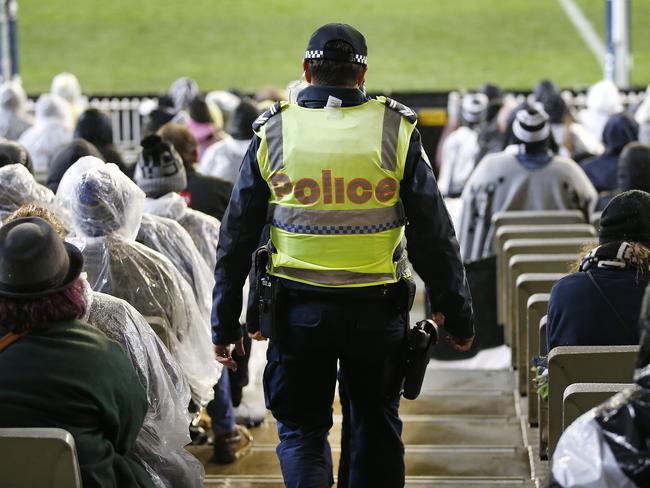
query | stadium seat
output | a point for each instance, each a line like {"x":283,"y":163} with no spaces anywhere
{"x":543,"y":339}
{"x":518,"y":245}
{"x":536,"y":309}
{"x":43,"y":458}
{"x":526,"y":285}
{"x":582,"y":364}
{"x":579,"y":398}
{"x":531,"y":263}
{"x":537,"y":217}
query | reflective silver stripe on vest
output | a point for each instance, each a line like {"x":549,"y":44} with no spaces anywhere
{"x":274,"y":142}
{"x":333,"y":277}
{"x":369,"y":221}
{"x":390,"y":133}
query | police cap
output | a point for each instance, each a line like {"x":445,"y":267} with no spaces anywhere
{"x":337,"y":32}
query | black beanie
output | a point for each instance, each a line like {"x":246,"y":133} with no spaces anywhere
{"x":634,"y":167}
{"x":240,"y":125}
{"x":626,"y":218}
{"x":64,"y":157}
{"x":13,"y":153}
{"x":199,"y":111}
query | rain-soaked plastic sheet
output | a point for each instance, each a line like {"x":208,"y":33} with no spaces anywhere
{"x":106,"y":210}
{"x":18,"y":187}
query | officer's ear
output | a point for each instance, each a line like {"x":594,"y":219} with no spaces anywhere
{"x":362,"y":77}
{"x":307,"y":72}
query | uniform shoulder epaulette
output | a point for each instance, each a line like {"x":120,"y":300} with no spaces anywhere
{"x":275,"y":109}
{"x":402,"y":109}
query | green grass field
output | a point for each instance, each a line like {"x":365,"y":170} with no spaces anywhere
{"x":130,"y":46}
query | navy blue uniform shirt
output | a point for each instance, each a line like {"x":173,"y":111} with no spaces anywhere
{"x":431,"y":241}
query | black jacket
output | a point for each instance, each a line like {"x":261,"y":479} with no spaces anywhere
{"x":207,"y":194}
{"x":431,"y":241}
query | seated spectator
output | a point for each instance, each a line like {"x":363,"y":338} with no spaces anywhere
{"x":609,"y":445}
{"x":52,"y":128}
{"x":157,"y":114}
{"x":532,"y":179}
{"x":160,"y":173}
{"x":182,"y":91}
{"x":224,"y":158}
{"x":202,"y":126}
{"x":204,"y":193}
{"x":633,"y":172}
{"x":603,"y":101}
{"x":599,"y":304}
{"x":66,"y":86}
{"x":14,"y":153}
{"x":18,"y":187}
{"x":490,"y":137}
{"x":64,"y":157}
{"x":56,"y":371}
{"x":160,"y":445}
{"x":106,"y":211}
{"x":460,"y":147}
{"x":95,"y":127}
{"x":620,"y":130}
{"x":13,"y":119}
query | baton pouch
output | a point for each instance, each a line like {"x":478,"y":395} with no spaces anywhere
{"x":268,"y":294}
{"x":420,"y":340}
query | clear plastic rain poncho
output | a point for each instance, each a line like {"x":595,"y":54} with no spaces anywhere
{"x":170,"y":239}
{"x":18,"y":187}
{"x":106,"y":210}
{"x":66,"y":85}
{"x":609,"y":446}
{"x":52,"y":128}
{"x":160,"y":445}
{"x":202,"y":228}
{"x":13,"y":120}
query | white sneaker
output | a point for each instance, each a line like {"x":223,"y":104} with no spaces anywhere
{"x":249,"y":415}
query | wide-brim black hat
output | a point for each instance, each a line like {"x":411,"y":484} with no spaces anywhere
{"x":34,"y":261}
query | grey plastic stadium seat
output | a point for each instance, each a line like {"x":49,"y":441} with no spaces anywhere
{"x":536,"y":309}
{"x":543,"y":339}
{"x":526,"y":285}
{"x":579,"y":398}
{"x":43,"y":458}
{"x":582,"y":364}
{"x":547,"y":245}
{"x":531,"y":263}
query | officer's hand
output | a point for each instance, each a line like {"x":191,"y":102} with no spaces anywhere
{"x":224,"y":357}
{"x":257,"y":336}
{"x":457,"y":344}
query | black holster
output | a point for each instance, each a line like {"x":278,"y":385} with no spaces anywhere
{"x":269,"y":296}
{"x":419,"y":342}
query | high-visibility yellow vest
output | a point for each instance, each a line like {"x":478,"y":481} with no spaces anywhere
{"x":334,"y":176}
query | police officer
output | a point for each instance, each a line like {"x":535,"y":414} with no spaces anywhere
{"x":349,"y":191}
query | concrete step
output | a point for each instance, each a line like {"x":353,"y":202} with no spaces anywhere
{"x":460,"y":402}
{"x":474,"y":380}
{"x":430,"y":430}
{"x":442,"y":462}
{"x":229,"y":482}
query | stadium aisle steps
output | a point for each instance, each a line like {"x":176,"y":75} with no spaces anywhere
{"x":464,"y":430}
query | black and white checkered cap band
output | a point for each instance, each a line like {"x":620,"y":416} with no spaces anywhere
{"x":529,"y":127}
{"x":316,"y":54}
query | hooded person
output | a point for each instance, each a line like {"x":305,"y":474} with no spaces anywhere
{"x":106,"y":210}
{"x":206,"y":194}
{"x":620,"y":130}
{"x":460,"y":148}
{"x":181,"y":92}
{"x":160,"y":174}
{"x":18,"y":187}
{"x":64,"y":157}
{"x":618,"y":268}
{"x":95,"y":127}
{"x":531,"y":179}
{"x":603,"y":101}
{"x":160,"y":443}
{"x":13,"y":119}
{"x":222,"y":160}
{"x":52,"y":128}
{"x":66,"y":86}
{"x":607,"y":447}
{"x":56,"y":370}
{"x":13,"y":153}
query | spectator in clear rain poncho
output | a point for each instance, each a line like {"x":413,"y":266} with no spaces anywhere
{"x":13,"y":153}
{"x":609,"y":446}
{"x":52,"y":127}
{"x":460,"y":148}
{"x":160,"y":443}
{"x":160,"y":174}
{"x":158,"y":233}
{"x":18,"y":187}
{"x":531,"y":179}
{"x":642,"y":116}
{"x":66,"y":86}
{"x":603,"y":101}
{"x":13,"y":120}
{"x":106,"y":210}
